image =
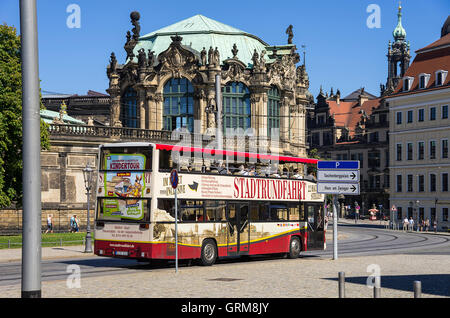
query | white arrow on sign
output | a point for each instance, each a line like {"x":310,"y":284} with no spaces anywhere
{"x":338,"y":175}
{"x":338,"y":188}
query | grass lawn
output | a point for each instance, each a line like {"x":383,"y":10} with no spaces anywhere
{"x":48,"y":240}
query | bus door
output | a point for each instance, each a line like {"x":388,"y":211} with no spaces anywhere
{"x":315,"y":226}
{"x":238,"y":233}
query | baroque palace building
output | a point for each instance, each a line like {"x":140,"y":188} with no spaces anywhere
{"x":420,"y":134}
{"x":168,"y":82}
{"x":356,"y":127}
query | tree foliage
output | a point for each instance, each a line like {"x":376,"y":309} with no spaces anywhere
{"x":11,"y":118}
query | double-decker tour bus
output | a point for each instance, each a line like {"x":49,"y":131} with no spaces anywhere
{"x":223,"y":209}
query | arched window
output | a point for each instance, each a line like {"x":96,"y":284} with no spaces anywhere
{"x":178,"y":104}
{"x":273,"y":110}
{"x":236,"y":106}
{"x":129,"y":113}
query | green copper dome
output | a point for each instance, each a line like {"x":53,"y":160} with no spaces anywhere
{"x":399,"y":32}
{"x":200,"y":32}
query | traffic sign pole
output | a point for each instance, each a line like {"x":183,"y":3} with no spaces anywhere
{"x":335,"y":229}
{"x":337,"y":177}
{"x":176,"y":232}
{"x":174,"y":182}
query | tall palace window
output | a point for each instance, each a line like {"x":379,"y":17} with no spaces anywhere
{"x":178,"y":104}
{"x":273,"y":110}
{"x":236,"y":106}
{"x":129,"y":113}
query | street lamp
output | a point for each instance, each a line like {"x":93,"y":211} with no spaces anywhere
{"x":87,"y":175}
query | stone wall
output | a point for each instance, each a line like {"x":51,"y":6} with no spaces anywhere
{"x":11,"y":220}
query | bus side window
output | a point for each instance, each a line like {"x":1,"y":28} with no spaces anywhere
{"x":301,"y":212}
{"x":264,"y":212}
{"x":215,"y":211}
{"x":165,"y":160}
{"x":294,"y":213}
{"x":254,"y":212}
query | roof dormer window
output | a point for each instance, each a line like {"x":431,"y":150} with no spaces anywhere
{"x":441,"y":75}
{"x":407,"y":83}
{"x":423,"y":80}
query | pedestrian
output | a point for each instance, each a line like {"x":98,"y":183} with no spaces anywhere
{"x":74,"y":224}
{"x":49,"y":224}
{"x":77,"y":224}
{"x":427,"y":225}
{"x":405,"y":224}
{"x":411,"y":224}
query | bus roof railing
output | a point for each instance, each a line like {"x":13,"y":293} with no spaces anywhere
{"x":235,"y":153}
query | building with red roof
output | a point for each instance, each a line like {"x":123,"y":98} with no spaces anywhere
{"x":420,"y":134}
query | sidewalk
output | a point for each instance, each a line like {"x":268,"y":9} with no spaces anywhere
{"x":15,"y":254}
{"x":383,"y":226}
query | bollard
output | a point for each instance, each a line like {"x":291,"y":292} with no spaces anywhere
{"x":341,"y":285}
{"x":417,"y":289}
{"x":60,"y":242}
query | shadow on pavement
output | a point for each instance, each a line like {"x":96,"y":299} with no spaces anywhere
{"x":433,"y":284}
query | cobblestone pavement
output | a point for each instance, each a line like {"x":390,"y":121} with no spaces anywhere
{"x":274,"y":278}
{"x":305,"y":277}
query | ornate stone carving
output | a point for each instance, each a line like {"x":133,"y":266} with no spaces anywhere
{"x":302,"y":76}
{"x":176,"y":59}
{"x":142,"y":58}
{"x":203,"y":57}
{"x":283,"y":72}
{"x":135,"y":16}
{"x":290,"y":34}
{"x":151,"y":58}
{"x":234,"y":51}
{"x":113,"y":63}
{"x":234,"y":70}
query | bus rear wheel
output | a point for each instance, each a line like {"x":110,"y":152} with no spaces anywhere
{"x":294,"y":248}
{"x":209,"y":253}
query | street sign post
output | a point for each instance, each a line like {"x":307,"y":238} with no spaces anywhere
{"x":337,"y":177}
{"x":174,"y":183}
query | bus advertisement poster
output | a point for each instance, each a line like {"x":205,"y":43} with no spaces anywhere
{"x":126,"y":187}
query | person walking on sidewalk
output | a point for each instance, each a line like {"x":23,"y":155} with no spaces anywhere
{"x":427,"y":224}
{"x":405,"y":224}
{"x":74,"y":224}
{"x":411,"y":224}
{"x":49,"y":224}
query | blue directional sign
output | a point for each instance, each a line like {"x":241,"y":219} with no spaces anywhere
{"x":338,"y":165}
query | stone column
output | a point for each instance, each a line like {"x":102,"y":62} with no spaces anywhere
{"x":141,"y":107}
{"x":158,"y":111}
{"x":114,"y":92}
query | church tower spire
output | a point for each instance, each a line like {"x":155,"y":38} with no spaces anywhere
{"x":398,"y":56}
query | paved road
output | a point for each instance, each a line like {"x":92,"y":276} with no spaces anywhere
{"x":374,"y":240}
{"x":360,"y":241}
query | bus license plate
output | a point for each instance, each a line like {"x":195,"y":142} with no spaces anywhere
{"x":121,"y":253}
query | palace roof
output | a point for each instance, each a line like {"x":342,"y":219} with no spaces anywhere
{"x":200,"y":32}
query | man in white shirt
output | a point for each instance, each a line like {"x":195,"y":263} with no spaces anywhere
{"x":411,"y":224}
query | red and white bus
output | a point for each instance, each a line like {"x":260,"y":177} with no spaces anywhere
{"x":221,"y":213}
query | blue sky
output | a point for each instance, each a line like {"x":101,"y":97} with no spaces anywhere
{"x":342,"y":52}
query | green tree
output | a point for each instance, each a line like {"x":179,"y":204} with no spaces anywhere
{"x":11,"y":118}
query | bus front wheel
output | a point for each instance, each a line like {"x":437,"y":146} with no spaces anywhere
{"x":294,"y":248}
{"x":209,"y":253}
